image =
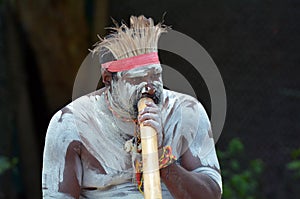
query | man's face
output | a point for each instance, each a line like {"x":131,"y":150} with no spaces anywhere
{"x":127,"y":86}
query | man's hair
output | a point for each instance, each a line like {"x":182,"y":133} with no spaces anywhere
{"x":139,"y":38}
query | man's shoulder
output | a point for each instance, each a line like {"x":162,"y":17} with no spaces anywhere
{"x":178,"y":94}
{"x":86,"y":100}
{"x":176,"y":99}
{"x":76,"y":112}
{"x":185,"y":106}
{"x":81,"y":104}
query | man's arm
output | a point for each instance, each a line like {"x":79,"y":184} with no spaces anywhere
{"x":61,"y":162}
{"x":72,"y":171}
{"x":183,"y":183}
{"x":181,"y":180}
{"x":69,"y":186}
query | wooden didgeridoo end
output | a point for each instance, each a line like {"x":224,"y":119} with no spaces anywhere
{"x":151,"y":175}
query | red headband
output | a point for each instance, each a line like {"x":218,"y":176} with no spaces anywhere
{"x":131,"y":62}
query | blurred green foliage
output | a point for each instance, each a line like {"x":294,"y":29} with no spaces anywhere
{"x":294,"y":165}
{"x":241,"y":177}
{"x":6,"y":163}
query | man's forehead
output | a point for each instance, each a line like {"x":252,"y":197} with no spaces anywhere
{"x":143,"y":69}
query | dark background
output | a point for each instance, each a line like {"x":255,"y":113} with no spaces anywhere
{"x":255,"y":45}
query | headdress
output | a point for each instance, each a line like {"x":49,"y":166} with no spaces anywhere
{"x":132,"y":46}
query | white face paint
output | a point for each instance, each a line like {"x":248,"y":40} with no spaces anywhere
{"x":126,"y":88}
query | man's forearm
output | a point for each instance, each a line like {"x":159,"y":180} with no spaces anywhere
{"x":185,"y":184}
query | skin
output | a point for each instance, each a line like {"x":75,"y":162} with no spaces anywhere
{"x":126,"y":87}
{"x":188,"y":184}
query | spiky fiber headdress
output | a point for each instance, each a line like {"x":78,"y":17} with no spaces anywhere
{"x":140,"y":38}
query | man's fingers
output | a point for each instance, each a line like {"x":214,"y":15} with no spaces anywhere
{"x":151,"y":116}
{"x":151,"y":123}
{"x":156,"y":125}
{"x":147,"y":116}
{"x":149,"y":110}
{"x":151,"y":104}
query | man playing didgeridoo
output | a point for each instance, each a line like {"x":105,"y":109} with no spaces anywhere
{"x":93,"y":145}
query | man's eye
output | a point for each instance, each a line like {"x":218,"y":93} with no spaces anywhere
{"x":136,"y":79}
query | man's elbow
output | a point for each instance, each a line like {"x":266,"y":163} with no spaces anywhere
{"x":214,"y":190}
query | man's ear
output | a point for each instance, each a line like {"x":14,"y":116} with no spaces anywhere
{"x":106,"y":77}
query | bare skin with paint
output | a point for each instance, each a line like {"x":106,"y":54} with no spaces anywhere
{"x":90,"y":160}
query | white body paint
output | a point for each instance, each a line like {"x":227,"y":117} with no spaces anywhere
{"x":125,"y":90}
{"x":92,"y":123}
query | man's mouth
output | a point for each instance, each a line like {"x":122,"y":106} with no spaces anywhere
{"x":154,"y":93}
{"x":150,"y":92}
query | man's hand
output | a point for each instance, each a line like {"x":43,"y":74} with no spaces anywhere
{"x":183,"y":183}
{"x":151,"y":116}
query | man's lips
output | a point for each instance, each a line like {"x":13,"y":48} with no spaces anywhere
{"x":150,"y":92}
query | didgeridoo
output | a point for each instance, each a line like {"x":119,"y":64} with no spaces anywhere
{"x":152,"y":186}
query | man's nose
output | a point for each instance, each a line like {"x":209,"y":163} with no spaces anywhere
{"x":149,"y":88}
